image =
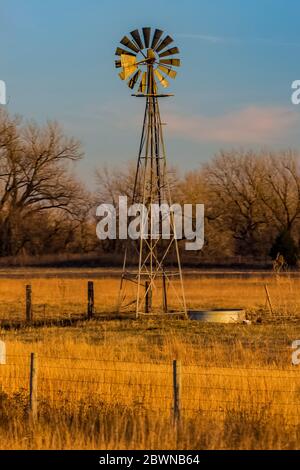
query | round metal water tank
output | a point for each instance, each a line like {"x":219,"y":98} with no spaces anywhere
{"x":232,"y":315}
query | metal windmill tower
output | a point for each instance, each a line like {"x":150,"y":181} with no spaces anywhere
{"x":157,"y":286}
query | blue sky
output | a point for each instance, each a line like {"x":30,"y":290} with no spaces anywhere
{"x":239,"y":58}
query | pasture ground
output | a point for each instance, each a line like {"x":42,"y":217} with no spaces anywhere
{"x":108,"y":384}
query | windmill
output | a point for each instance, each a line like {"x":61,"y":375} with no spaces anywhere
{"x":147,"y":61}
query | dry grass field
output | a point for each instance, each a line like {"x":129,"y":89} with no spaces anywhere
{"x":107,"y":384}
{"x":57,"y":297}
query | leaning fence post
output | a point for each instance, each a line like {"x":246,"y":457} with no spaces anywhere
{"x":33,"y":395}
{"x":176,"y":389}
{"x":268,"y":299}
{"x":28,"y":304}
{"x":90,"y":305}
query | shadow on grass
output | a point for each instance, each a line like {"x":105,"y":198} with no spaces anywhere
{"x":62,"y":322}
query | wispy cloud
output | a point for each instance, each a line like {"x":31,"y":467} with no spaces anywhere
{"x":275,"y":42}
{"x":203,"y":37}
{"x":253,"y":125}
{"x":249,"y":125}
{"x":215,"y":39}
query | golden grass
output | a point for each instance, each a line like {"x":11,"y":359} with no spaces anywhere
{"x":108,"y":384}
{"x":55,"y":297}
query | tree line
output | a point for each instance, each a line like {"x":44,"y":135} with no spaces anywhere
{"x":251,"y":198}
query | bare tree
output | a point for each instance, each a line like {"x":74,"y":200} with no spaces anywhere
{"x":279,"y":188}
{"x":35,"y":177}
{"x":232,"y":180}
{"x":254,"y":195}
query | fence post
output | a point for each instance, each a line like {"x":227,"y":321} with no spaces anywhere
{"x":269,"y":299}
{"x":33,"y":393}
{"x":90,"y":305}
{"x":176,"y":389}
{"x":28,"y":304}
{"x":2,"y":353}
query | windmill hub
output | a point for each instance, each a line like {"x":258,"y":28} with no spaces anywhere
{"x":151,"y":57}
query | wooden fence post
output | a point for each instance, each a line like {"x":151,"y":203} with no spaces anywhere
{"x":91,"y":298}
{"x":28,"y":304}
{"x":176,"y":389}
{"x":269,"y":299}
{"x":33,"y":392}
{"x":2,"y":353}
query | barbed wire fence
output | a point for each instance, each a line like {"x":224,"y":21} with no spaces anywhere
{"x":171,"y":388}
{"x":28,"y":308}
{"x":25,"y":309}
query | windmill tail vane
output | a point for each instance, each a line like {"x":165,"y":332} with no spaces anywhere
{"x":156,"y":287}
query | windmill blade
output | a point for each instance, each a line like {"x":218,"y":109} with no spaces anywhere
{"x":164,"y":43}
{"x":172,"y":51}
{"x":143,"y":83}
{"x":126,"y":73}
{"x":175,"y":62}
{"x":128,"y":64}
{"x":120,"y":51}
{"x":171,"y":73}
{"x":126,"y":42}
{"x":136,"y":36}
{"x":118,"y":64}
{"x":127,"y":61}
{"x":163,"y":81}
{"x":156,"y":37}
{"x":132,"y":82}
{"x":146,"y":34}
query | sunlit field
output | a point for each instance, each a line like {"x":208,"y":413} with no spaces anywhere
{"x":57,"y":298}
{"x":108,"y":384}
